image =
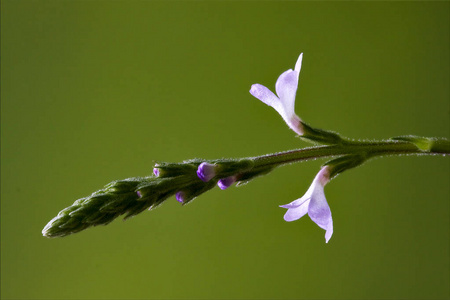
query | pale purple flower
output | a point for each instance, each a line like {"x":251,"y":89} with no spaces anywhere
{"x":206,"y":171}
{"x":225,"y":183}
{"x":139,"y":194}
{"x":284,"y":103}
{"x":314,"y":204}
{"x":156,"y":172}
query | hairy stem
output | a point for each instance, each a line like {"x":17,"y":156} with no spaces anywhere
{"x":369,"y":149}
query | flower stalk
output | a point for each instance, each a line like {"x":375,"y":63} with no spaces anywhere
{"x":189,"y":179}
{"x":369,"y":149}
{"x":131,"y":196}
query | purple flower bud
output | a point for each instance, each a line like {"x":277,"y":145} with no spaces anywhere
{"x":180,"y":196}
{"x":206,"y":171}
{"x":139,"y":194}
{"x":156,"y":172}
{"x":225,"y":183}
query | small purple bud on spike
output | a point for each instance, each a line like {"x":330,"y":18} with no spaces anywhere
{"x":206,"y":171}
{"x":180,"y":197}
{"x":225,"y":183}
{"x":139,"y":194}
{"x":156,"y":172}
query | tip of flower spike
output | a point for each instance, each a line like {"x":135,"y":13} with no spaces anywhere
{"x":52,"y":229}
{"x":45,"y":231}
{"x":206,"y":171}
{"x":226,"y":182}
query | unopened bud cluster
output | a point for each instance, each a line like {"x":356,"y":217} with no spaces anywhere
{"x":131,"y":196}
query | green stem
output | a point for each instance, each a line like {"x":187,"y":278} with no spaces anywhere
{"x":368,"y":149}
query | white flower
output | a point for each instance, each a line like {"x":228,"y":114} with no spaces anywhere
{"x":284,"y":103}
{"x":314,"y":204}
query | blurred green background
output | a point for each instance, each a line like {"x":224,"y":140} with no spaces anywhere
{"x":93,"y":91}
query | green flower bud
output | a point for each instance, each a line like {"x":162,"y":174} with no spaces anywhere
{"x":174,"y":169}
{"x":339,"y":165}
{"x":425,"y":144}
{"x":189,"y":193}
{"x":320,"y":136}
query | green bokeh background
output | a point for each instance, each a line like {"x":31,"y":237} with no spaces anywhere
{"x":93,"y":91}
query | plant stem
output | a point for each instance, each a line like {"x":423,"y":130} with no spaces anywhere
{"x":368,"y":149}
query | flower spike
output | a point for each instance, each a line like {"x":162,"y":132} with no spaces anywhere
{"x":314,"y":204}
{"x":284,"y":103}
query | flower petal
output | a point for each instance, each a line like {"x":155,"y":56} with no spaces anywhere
{"x":265,"y":95}
{"x":318,"y":209}
{"x":297,"y":212}
{"x":298,"y":64}
{"x":286,"y":88}
{"x":329,"y":231}
{"x":296,"y":203}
